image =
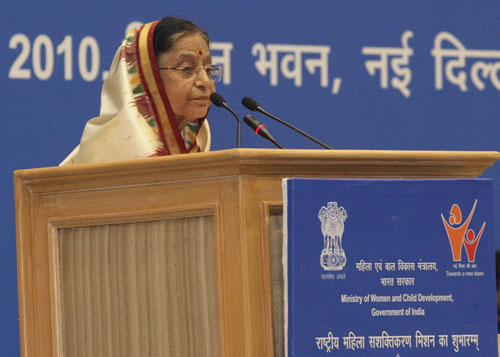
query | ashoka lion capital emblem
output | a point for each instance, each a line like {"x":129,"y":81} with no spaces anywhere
{"x":332,"y":219}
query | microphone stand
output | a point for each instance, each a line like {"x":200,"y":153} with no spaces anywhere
{"x":259,"y":109}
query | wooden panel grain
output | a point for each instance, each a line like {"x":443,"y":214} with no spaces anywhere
{"x":275,"y":239}
{"x":146,"y":288}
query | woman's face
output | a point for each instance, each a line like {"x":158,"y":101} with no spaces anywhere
{"x":189,"y":97}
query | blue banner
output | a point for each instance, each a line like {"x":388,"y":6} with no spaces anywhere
{"x":390,"y":267}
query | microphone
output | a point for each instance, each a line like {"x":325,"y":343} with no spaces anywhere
{"x":252,"y":105}
{"x":260,"y":129}
{"x":219,"y":101}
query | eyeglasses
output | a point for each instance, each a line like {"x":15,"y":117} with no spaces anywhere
{"x":214,"y":72}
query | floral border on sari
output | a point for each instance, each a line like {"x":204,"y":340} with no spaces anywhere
{"x":150,"y":96}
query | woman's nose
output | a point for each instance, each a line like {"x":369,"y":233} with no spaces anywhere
{"x":202,"y":75}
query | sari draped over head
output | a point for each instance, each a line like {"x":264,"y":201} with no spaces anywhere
{"x":136,"y":119}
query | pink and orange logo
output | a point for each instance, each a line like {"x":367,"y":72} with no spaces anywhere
{"x":459,"y":233}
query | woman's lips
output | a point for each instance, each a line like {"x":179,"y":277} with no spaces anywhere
{"x":200,"y":99}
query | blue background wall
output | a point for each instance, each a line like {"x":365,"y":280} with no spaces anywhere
{"x":43,"y":115}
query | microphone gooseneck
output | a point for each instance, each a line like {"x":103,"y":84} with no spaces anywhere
{"x":260,"y":129}
{"x":252,"y":105}
{"x":220,"y":102}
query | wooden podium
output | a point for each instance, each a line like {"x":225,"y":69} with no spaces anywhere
{"x":175,"y":256}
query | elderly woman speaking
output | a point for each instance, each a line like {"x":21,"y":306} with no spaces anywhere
{"x":156,"y":97}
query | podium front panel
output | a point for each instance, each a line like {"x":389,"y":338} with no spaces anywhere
{"x":135,"y":289}
{"x":89,"y":236}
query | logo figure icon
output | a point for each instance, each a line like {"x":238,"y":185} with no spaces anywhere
{"x":459,"y":233}
{"x":332,"y":219}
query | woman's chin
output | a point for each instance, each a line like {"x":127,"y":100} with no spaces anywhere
{"x":182,"y":122}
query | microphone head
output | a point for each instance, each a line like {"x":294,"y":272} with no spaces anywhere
{"x":217,"y":99}
{"x":259,"y":128}
{"x":250,"y":104}
{"x":251,"y":121}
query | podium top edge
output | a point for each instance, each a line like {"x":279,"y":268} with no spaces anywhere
{"x":274,"y":156}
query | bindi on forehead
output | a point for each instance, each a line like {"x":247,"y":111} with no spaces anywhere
{"x":200,"y":52}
